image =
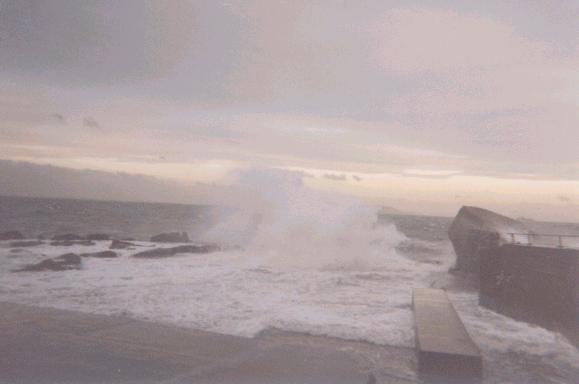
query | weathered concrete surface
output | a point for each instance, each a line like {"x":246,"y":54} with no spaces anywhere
{"x":475,"y":229}
{"x":446,"y":353}
{"x":534,"y":284}
{"x":41,"y":345}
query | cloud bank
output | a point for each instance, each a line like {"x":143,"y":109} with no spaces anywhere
{"x":193,"y":89}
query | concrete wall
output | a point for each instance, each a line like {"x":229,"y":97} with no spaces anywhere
{"x":469,"y":246}
{"x":533,"y":284}
{"x":474,"y":229}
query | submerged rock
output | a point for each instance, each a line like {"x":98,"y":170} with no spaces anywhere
{"x":101,"y":254}
{"x":98,"y":236}
{"x":171,"y":237}
{"x":68,"y":261}
{"x":11,"y":235}
{"x":68,"y":243}
{"x":168,"y":252}
{"x":120,"y":244}
{"x":23,"y":244}
{"x":476,"y":229}
{"x":68,"y":237}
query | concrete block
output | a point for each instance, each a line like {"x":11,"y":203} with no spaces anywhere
{"x":446,"y":353}
{"x":475,"y":229}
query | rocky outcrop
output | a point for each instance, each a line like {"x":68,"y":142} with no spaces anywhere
{"x":101,"y":254}
{"x":475,"y":229}
{"x":11,"y":235}
{"x":171,"y":237}
{"x":168,"y":252}
{"x":98,"y":236}
{"x":68,"y":237}
{"x":68,"y":243}
{"x":120,"y":244}
{"x":64,"y":262}
{"x":24,"y":244}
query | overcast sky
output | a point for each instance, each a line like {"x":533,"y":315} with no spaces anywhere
{"x":426,"y":105}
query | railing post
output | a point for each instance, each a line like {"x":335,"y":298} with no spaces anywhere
{"x":560,"y":241}
{"x":512,"y":238}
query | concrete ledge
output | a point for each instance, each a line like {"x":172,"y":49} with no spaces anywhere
{"x":534,"y":284}
{"x":446,"y":353}
{"x":44,"y":345}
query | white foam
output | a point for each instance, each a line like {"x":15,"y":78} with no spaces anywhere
{"x":282,"y":223}
{"x":217,"y":292}
{"x":498,"y":333}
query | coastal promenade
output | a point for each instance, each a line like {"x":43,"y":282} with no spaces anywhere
{"x":44,"y":345}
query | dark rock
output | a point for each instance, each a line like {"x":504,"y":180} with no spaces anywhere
{"x":119,"y":244}
{"x":168,"y":252}
{"x":98,"y":236}
{"x":172,"y":237}
{"x":68,"y":237}
{"x":101,"y":254}
{"x":11,"y":235}
{"x":23,"y":244}
{"x":64,"y":262}
{"x":68,"y":243}
{"x":474,"y":230}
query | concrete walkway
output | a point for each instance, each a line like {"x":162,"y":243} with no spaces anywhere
{"x":43,"y":345}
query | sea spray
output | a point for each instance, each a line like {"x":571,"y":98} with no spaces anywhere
{"x":279,"y":221}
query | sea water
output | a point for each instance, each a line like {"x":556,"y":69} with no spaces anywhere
{"x":297,"y":259}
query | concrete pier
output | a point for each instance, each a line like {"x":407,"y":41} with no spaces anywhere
{"x":446,"y":353}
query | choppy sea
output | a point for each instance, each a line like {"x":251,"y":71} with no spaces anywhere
{"x":293,"y":276}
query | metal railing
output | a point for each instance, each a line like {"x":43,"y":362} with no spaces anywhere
{"x":537,"y":236}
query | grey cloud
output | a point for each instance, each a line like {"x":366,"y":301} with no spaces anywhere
{"x":92,"y":42}
{"x":59,"y":118}
{"x":320,"y":66}
{"x":27,"y":179}
{"x":90,"y":122}
{"x":335,"y":177}
{"x":306,"y":175}
{"x":21,"y":110}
